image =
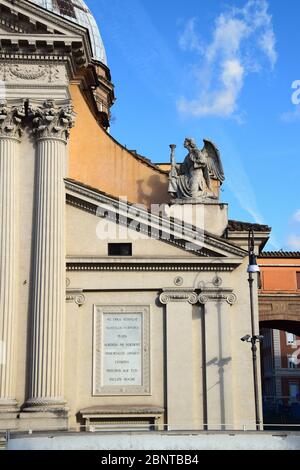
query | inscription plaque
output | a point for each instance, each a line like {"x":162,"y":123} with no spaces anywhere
{"x":121,"y":350}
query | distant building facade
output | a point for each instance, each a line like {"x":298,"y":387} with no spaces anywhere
{"x":279,"y":303}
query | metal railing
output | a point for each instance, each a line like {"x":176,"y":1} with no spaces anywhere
{"x":281,"y":410}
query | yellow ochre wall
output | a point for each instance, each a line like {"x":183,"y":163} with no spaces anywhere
{"x":97,"y":160}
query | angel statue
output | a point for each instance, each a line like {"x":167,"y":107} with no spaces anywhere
{"x":192,"y":178}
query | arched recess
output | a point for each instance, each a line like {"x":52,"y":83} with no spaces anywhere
{"x":284,"y":325}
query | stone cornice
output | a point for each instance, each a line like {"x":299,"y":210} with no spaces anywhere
{"x":47,"y":47}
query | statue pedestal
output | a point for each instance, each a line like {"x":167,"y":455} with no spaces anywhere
{"x":211,"y":215}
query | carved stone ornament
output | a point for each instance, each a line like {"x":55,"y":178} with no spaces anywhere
{"x":75,"y":295}
{"x":11,"y":119}
{"x":178,"y":281}
{"x":178,"y":295}
{"x":213,"y":294}
{"x":49,"y":73}
{"x":52,"y":121}
{"x":191,"y":181}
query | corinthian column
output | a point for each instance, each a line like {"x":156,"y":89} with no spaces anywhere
{"x":51,"y":123}
{"x":10,"y":132}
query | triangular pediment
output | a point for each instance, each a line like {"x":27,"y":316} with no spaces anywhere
{"x":20,"y":15}
{"x":22,"y":22}
{"x":185,"y":242}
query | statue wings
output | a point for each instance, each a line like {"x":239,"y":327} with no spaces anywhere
{"x":213,"y":160}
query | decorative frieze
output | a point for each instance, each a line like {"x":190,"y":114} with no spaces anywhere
{"x":38,"y":73}
{"x":178,"y":295}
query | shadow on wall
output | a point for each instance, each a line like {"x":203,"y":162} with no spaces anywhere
{"x":220,"y":361}
{"x":152,"y":191}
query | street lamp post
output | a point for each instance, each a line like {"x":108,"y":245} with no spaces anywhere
{"x":253,"y":339}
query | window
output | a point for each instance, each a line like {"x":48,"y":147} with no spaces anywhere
{"x":292,"y":362}
{"x":298,"y":280}
{"x":290,"y":338}
{"x":120,"y":249}
{"x":66,"y":7}
{"x":293,"y":389}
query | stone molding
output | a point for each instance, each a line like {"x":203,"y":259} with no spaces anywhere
{"x":11,"y":120}
{"x":214,"y":294}
{"x":34,"y":404}
{"x":149,"y":267}
{"x":178,"y":295}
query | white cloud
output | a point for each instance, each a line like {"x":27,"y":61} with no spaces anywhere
{"x":291,"y":116}
{"x":189,"y":39}
{"x":296,"y":216}
{"x":268,"y":42}
{"x":243,"y":39}
{"x":294,"y":242}
{"x":221,"y":102}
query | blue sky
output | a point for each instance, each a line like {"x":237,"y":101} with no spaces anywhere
{"x":217,"y":69}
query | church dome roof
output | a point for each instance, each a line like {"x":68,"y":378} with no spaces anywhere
{"x":78,"y":12}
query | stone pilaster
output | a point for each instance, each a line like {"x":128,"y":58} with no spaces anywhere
{"x":51,"y":125}
{"x":10,"y":132}
{"x":219,"y":398}
{"x":179,"y":348}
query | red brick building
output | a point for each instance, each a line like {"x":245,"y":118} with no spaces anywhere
{"x":279,"y":300}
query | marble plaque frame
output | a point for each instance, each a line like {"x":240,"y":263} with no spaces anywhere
{"x":99,"y":389}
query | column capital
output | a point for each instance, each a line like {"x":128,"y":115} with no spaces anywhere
{"x":52,"y":119}
{"x":217,"y":294}
{"x":178,"y":295}
{"x":11,"y":119}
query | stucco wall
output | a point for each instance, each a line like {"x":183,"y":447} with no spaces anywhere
{"x":96,"y":159}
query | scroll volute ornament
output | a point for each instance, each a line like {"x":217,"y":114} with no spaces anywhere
{"x":52,"y":121}
{"x":11,"y":120}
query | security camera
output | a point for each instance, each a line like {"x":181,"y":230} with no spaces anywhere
{"x":245,"y":338}
{"x":260,"y":338}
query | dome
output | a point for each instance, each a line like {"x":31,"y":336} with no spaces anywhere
{"x":78,"y":12}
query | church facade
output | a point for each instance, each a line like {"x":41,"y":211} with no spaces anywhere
{"x":123,"y":285}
